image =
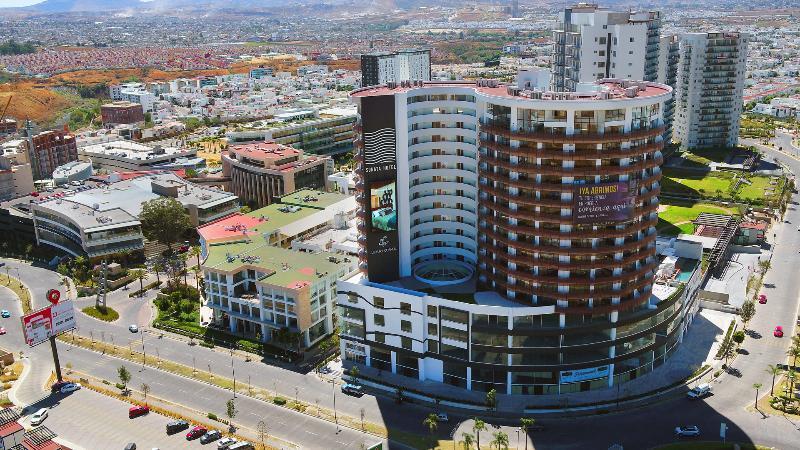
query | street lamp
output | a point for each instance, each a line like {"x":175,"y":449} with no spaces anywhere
{"x":335,"y":417}
{"x":517,"y":438}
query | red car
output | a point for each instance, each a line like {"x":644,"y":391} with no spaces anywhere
{"x":196,"y":432}
{"x":137,"y":411}
{"x":762,"y":299}
{"x":2,"y":330}
{"x":778,"y":331}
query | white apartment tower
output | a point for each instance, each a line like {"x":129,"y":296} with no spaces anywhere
{"x":405,"y":65}
{"x":711,"y":73}
{"x":593,"y":43}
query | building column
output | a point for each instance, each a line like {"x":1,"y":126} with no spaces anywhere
{"x":421,"y":368}
{"x":508,"y":383}
{"x":394,"y":362}
{"x":469,"y":378}
{"x":611,"y":375}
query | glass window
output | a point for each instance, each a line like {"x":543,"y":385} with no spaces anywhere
{"x":405,"y":308}
{"x":380,"y":337}
{"x":433,"y":329}
{"x":405,"y":326}
{"x":432,"y":311}
{"x":379,"y":320}
{"x":454,"y":315}
{"x":405,"y":342}
{"x":378,"y":301}
{"x":454,"y":334}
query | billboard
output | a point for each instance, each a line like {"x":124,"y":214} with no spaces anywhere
{"x":573,"y":376}
{"x":39,"y":326}
{"x":380,"y":185}
{"x":606,"y":202}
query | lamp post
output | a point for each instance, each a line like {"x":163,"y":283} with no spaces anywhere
{"x":335,"y":416}
{"x":144,"y":353}
{"x":517,"y":438}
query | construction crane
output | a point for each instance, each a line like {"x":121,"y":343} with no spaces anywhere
{"x":3,"y":114}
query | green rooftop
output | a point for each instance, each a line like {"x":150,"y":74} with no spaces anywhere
{"x":284,"y":267}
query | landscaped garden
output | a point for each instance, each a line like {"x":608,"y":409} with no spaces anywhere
{"x":105,"y":313}
{"x":675,"y":217}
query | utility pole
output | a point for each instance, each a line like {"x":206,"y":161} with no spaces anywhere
{"x":55,"y":358}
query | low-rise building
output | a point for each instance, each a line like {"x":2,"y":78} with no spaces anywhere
{"x":132,"y":156}
{"x":257,"y":286}
{"x":74,"y":171}
{"x":262,"y":172}
{"x":16,"y":177}
{"x":121,"y":113}
{"x":98,"y":221}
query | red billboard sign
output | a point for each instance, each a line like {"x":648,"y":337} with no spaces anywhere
{"x":39,"y":326}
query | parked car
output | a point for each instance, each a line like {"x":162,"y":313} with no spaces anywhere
{"x":5,"y":314}
{"x":210,"y":436}
{"x":699,"y":391}
{"x":131,"y":446}
{"x":196,"y":432}
{"x":176,"y":426}
{"x":136,"y":411}
{"x":442,"y":417}
{"x":133,"y":328}
{"x":352,"y":389}
{"x":2,"y":330}
{"x":688,"y":431}
{"x":225,"y":443}
{"x":762,"y":299}
{"x":56,"y":387}
{"x":70,"y":387}
{"x":242,"y":446}
{"x":38,"y":417}
{"x":778,"y":331}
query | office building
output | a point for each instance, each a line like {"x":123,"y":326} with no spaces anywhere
{"x":121,"y":113}
{"x":257,"y":286}
{"x":593,"y":43}
{"x":95,"y":221}
{"x":134,"y":93}
{"x":260,"y":72}
{"x":394,"y":67}
{"x":508,"y":237}
{"x":327,"y":132}
{"x":708,"y":100}
{"x":72,"y":172}
{"x":128,"y":156}
{"x":668,"y":57}
{"x":16,"y":176}
{"x":48,"y":150}
{"x":262,"y":172}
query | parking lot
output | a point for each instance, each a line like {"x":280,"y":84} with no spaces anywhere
{"x":92,"y":421}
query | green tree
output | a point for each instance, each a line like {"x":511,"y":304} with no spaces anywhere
{"x":145,"y":388}
{"x":477,"y":427}
{"x":245,"y":209}
{"x":230,"y":409}
{"x":354,"y":374}
{"x":467,"y":440}
{"x":525,"y":424}
{"x":738,"y":337}
{"x":747,"y":312}
{"x":164,"y":220}
{"x":432,"y":422}
{"x":794,"y":353}
{"x":124,"y":376}
{"x":773,"y":370}
{"x":196,"y":252}
{"x":158,"y":267}
{"x":500,"y":440}
{"x":491,"y":399}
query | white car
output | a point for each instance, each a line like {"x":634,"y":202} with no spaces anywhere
{"x":224,"y":443}
{"x":688,"y":431}
{"x":442,"y":417}
{"x":133,"y":328}
{"x":69,"y":387}
{"x":39,"y":416}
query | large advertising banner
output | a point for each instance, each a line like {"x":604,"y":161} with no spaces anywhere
{"x":380,"y":185}
{"x":607,"y":202}
{"x":39,"y":326}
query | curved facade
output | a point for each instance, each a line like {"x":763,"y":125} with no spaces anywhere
{"x":554,"y":198}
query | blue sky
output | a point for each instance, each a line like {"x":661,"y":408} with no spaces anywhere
{"x":18,"y":2}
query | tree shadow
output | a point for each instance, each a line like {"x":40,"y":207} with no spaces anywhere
{"x":753,"y":334}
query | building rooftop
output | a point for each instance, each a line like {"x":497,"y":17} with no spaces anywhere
{"x":608,"y":89}
{"x":121,"y":202}
{"x":264,"y":151}
{"x":121,"y":104}
{"x":132,"y":150}
{"x":284,"y":267}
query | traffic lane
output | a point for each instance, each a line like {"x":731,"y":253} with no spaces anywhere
{"x":292,"y":426}
{"x":37,"y":279}
{"x":94,"y":421}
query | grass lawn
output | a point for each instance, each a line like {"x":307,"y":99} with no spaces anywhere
{"x":705,"y":156}
{"x":676,"y":217}
{"x":106,"y":313}
{"x":757,"y":190}
{"x":696,"y":183}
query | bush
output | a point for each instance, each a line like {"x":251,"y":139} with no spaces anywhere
{"x":206,"y":344}
{"x":106,"y":382}
{"x":279,"y":401}
{"x":738,"y":337}
{"x":212,"y":416}
{"x":120,"y":386}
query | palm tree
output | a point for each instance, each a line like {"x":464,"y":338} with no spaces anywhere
{"x":773,"y":370}
{"x":196,"y":252}
{"x":500,"y":440}
{"x":158,"y":267}
{"x":467,"y":440}
{"x":525,"y":424}
{"x":477,"y":427}
{"x":432,"y":422}
{"x":140,"y":275}
{"x":756,"y":386}
{"x":794,"y":352}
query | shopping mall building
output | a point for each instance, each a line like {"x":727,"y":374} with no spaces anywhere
{"x":508,"y":237}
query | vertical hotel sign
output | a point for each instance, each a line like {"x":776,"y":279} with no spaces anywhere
{"x":380,"y":186}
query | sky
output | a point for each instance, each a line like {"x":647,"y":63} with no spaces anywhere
{"x":19,"y":2}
